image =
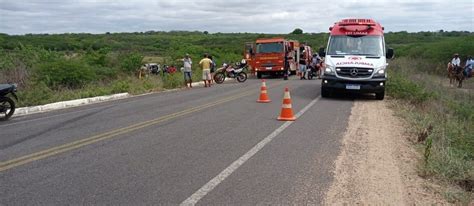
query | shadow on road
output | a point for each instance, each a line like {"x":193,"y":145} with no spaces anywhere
{"x":350,"y":96}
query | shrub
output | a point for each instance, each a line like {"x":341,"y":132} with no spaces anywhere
{"x":16,"y":65}
{"x":105,"y":73}
{"x":34,"y":94}
{"x":70,"y":73}
{"x":120,"y":86}
{"x":130,"y":62}
{"x":98,"y":58}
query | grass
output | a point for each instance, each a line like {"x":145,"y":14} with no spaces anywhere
{"x":29,"y":95}
{"x":426,"y":100}
{"x":39,"y":94}
{"x":171,"y":81}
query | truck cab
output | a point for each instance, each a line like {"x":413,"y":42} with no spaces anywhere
{"x":355,"y":58}
{"x":267,"y":56}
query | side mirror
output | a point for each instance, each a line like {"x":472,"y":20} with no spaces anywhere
{"x":390,"y":53}
{"x":321,"y":52}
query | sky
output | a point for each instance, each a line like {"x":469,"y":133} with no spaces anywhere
{"x":228,"y":16}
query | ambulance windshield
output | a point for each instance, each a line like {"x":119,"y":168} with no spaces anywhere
{"x":356,"y":45}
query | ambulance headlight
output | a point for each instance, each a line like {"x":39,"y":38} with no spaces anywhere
{"x":380,"y":72}
{"x":329,"y":70}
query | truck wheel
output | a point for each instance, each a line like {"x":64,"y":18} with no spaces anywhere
{"x":380,"y":95}
{"x":324,"y":92}
{"x":259,"y":75}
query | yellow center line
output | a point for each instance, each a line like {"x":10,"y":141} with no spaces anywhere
{"x":113,"y":133}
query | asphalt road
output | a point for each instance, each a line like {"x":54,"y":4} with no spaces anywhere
{"x":172,"y":147}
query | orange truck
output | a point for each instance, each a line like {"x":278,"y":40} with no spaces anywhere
{"x":266,"y":56}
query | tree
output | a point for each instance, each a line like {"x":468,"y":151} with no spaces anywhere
{"x":206,"y":32}
{"x":297,"y":31}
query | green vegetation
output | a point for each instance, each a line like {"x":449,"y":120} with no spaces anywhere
{"x":67,"y":66}
{"x":445,"y":114}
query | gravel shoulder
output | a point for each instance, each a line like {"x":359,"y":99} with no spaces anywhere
{"x":378,"y":163}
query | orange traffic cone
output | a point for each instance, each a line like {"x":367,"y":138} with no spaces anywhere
{"x":286,"y":110}
{"x":263,"y":93}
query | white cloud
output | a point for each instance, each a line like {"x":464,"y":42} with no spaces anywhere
{"x":277,"y":16}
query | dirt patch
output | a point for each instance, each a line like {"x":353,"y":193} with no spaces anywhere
{"x":377,"y":164}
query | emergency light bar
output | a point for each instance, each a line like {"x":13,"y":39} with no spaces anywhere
{"x":356,"y":27}
{"x":346,"y":22}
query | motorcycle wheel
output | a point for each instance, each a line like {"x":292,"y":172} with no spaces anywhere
{"x":241,"y":77}
{"x":7,"y":108}
{"x":219,"y":77}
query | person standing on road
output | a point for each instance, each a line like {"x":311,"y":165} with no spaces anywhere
{"x":315,"y":64}
{"x":286,"y":67}
{"x":213,"y":67}
{"x":205,"y":64}
{"x":187,"y":71}
{"x":302,"y":63}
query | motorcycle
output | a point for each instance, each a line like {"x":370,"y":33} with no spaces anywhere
{"x":7,"y":105}
{"x":314,"y":69}
{"x":230,"y":71}
{"x":312,"y":72}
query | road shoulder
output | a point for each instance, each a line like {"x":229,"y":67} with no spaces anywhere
{"x":377,"y":163}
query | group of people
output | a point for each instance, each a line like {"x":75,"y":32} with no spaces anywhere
{"x":309,"y":66}
{"x":468,"y":66}
{"x":312,"y":68}
{"x":158,"y":69}
{"x":208,"y":66}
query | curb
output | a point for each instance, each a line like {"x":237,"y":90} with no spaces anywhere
{"x":79,"y":102}
{"x":67,"y":104}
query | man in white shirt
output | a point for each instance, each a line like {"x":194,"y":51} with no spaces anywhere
{"x":456,"y":62}
{"x":187,"y":71}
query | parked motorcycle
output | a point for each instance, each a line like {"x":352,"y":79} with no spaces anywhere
{"x":236,"y":71}
{"x":7,"y":105}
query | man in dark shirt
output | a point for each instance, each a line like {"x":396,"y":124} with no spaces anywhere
{"x":302,"y":62}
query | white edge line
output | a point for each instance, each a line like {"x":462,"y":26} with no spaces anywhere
{"x":209,"y":186}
